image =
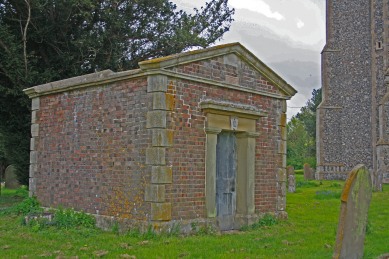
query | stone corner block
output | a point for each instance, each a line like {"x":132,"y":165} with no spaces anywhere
{"x":33,"y":157}
{"x":157,"y":83}
{"x":161,"y":174}
{"x":281,"y":163}
{"x":32,"y":144}
{"x":159,"y":101}
{"x":35,"y":104}
{"x":156,"y":119}
{"x":35,"y":130}
{"x":163,"y":101}
{"x":284,"y":133}
{"x":281,"y":175}
{"x":281,"y":188}
{"x":33,"y":117}
{"x":33,"y":170}
{"x":155,"y":193}
{"x":162,"y":138}
{"x":155,"y":156}
{"x":32,"y":186}
{"x":281,"y":146}
{"x":281,"y":203}
{"x":161,"y":211}
{"x":282,"y":121}
{"x":284,"y":106}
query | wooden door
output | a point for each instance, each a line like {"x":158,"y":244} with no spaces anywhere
{"x":226,"y":179}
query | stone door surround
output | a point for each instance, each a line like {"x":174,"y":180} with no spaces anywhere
{"x":223,"y":116}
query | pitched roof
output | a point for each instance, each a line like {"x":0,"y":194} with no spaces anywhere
{"x":158,"y":65}
{"x":207,"y":53}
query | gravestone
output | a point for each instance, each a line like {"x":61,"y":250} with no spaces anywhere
{"x":10,"y":178}
{"x":289,"y":170}
{"x":355,"y":201}
{"x":291,"y":183}
{"x":308,"y":172}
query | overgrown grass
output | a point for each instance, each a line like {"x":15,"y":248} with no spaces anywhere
{"x":299,"y":171}
{"x":302,"y":183}
{"x":10,"y":197}
{"x":327,"y":194}
{"x":266,"y":221}
{"x":309,"y":232}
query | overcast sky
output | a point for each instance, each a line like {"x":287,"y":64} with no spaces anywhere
{"x":288,"y":35}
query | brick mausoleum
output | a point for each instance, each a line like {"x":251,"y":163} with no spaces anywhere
{"x":197,"y":137}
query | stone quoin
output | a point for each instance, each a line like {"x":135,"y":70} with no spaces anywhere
{"x":197,"y":137}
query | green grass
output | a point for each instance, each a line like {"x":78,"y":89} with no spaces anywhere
{"x":9,"y":197}
{"x":309,"y":232}
{"x":299,"y":171}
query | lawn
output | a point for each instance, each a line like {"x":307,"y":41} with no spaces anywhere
{"x":309,"y":232}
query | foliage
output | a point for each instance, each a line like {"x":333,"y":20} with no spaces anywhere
{"x":300,"y":147}
{"x":206,"y":229}
{"x":43,"y":41}
{"x":301,"y":130}
{"x":27,"y":206}
{"x":3,"y":158}
{"x":62,"y":219}
{"x":266,"y":221}
{"x":69,"y":218}
{"x":309,"y":232}
{"x":307,"y":114}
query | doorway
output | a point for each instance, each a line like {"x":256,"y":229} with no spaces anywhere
{"x":226,"y":168}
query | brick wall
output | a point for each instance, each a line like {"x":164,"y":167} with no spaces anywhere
{"x":91,"y":149}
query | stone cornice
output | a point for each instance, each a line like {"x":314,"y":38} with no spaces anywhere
{"x":160,"y":65}
{"x":226,"y":108}
{"x":103,"y":78}
{"x":79,"y":82}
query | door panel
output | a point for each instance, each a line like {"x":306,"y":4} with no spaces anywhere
{"x":225,"y":179}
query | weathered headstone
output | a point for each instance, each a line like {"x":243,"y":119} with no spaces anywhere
{"x":11,"y":181}
{"x":291,"y":183}
{"x":289,"y":170}
{"x":355,"y":201}
{"x":308,"y":172}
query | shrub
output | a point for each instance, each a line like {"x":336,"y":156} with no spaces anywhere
{"x":27,"y":206}
{"x":69,"y":218}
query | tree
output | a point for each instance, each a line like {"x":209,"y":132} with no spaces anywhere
{"x":307,"y":113}
{"x":47,"y":40}
{"x":301,"y":146}
{"x":3,"y":160}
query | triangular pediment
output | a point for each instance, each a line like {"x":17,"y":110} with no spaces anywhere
{"x":229,"y":64}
